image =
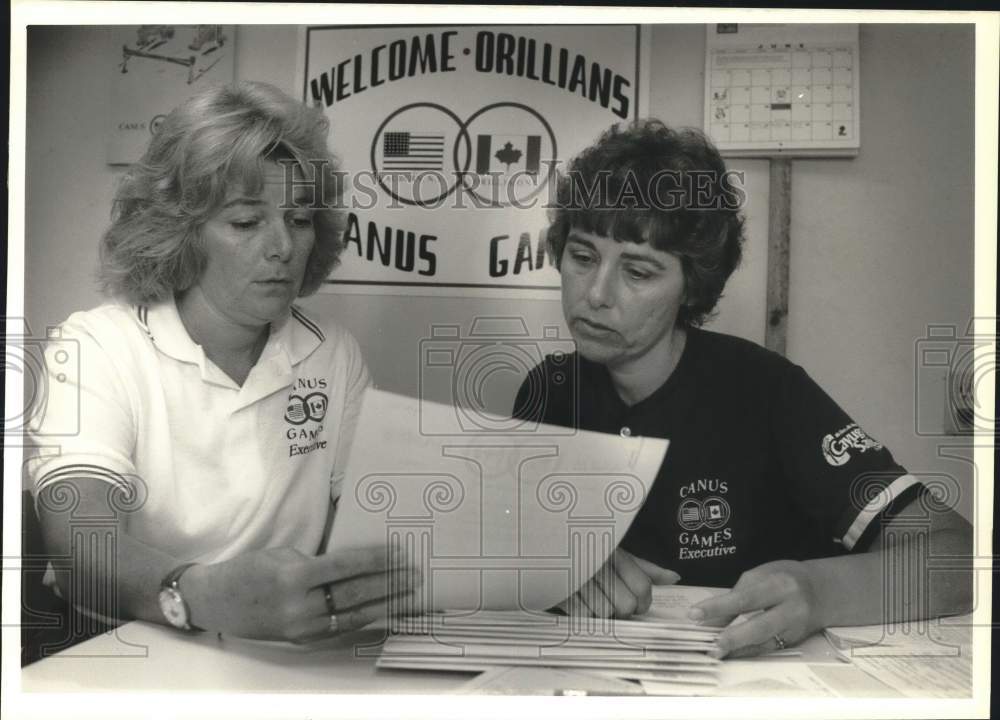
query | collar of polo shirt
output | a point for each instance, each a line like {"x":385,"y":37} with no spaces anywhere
{"x":293,"y":338}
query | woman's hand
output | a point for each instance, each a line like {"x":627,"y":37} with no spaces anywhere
{"x":782,"y":597}
{"x":281,"y":594}
{"x":621,"y":588}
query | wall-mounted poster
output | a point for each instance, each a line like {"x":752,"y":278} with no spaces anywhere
{"x":155,"y":68}
{"x":450,"y":137}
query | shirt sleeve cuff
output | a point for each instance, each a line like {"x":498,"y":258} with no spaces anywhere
{"x":893,"y":496}
{"x":66,"y":468}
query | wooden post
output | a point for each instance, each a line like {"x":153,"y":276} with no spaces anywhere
{"x":779,"y":217}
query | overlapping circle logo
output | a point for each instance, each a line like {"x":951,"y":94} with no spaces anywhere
{"x":712,"y":512}
{"x":303,"y":409}
{"x":503,"y":154}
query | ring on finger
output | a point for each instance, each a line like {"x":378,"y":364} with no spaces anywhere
{"x":328,"y":596}
{"x":779,"y":643}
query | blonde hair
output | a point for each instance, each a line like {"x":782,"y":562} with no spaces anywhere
{"x":152,"y":248}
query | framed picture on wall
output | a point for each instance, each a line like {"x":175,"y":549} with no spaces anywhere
{"x":154,"y":69}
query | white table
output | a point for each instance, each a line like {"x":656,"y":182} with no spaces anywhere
{"x":145,"y":657}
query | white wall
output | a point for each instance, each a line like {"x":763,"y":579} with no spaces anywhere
{"x":882,"y":244}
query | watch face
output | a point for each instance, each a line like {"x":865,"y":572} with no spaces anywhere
{"x":172,"y":607}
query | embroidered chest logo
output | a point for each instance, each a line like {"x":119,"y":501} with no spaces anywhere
{"x":304,"y":412}
{"x":837,"y":446}
{"x":703,"y":516}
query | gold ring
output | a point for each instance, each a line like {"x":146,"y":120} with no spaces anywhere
{"x":329,"y":600}
{"x":334,"y":624}
{"x":779,"y":642}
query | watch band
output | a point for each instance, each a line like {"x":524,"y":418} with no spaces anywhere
{"x":171,"y":582}
{"x":172,"y":578}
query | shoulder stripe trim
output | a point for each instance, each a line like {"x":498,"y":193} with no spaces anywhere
{"x":308,"y":324}
{"x":96,"y":472}
{"x":881,"y":500}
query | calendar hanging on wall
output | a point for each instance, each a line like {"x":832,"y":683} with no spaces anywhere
{"x":777,"y":89}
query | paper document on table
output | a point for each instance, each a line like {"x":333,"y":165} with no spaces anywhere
{"x":749,"y":678}
{"x":496,"y":517}
{"x":919,"y":658}
{"x":946,"y":637}
{"x":515,"y":680}
{"x":921,"y":677}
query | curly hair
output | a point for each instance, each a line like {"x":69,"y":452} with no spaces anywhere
{"x":219,"y":136}
{"x":646,"y":182}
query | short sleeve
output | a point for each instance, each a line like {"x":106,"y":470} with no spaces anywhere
{"x":82,"y":421}
{"x":840,"y":477}
{"x":358,"y":380}
{"x":524,"y":407}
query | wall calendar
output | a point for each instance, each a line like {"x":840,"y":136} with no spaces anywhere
{"x":782,"y":89}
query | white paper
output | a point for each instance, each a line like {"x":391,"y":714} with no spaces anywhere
{"x":945,"y":637}
{"x":672,"y":602}
{"x":749,"y":678}
{"x":928,"y":658}
{"x":495,"y":520}
{"x":547,"y":681}
{"x":921,"y":677}
{"x":639,"y":671}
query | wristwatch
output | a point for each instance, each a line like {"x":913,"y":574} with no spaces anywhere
{"x":172,"y":604}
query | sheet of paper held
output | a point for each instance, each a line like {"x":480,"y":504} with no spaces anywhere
{"x":499,"y":515}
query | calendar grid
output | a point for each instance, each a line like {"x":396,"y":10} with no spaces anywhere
{"x":783,"y":94}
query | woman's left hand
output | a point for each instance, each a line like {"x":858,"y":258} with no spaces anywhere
{"x":782,"y":599}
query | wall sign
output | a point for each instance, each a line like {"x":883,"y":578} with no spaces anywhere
{"x":449,"y":137}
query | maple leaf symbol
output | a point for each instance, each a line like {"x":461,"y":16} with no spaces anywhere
{"x":508,"y":155}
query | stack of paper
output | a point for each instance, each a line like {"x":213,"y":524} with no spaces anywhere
{"x":675,"y":652}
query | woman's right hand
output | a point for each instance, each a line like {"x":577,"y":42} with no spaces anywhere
{"x":623,"y":587}
{"x":280,"y":594}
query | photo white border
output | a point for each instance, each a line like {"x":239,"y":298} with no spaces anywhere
{"x":105,"y":705}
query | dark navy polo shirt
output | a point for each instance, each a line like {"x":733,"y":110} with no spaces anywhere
{"x":762,"y":465}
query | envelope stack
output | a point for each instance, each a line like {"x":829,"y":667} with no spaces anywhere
{"x":644,"y":649}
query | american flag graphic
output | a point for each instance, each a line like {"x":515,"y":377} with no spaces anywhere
{"x":691,"y":514}
{"x":414,"y":152}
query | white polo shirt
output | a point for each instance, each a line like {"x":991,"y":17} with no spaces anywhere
{"x":220,"y":469}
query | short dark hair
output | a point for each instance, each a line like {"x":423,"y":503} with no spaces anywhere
{"x":615,"y":188}
{"x":221,"y":135}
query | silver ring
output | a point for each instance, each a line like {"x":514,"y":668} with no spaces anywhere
{"x":779,"y":642}
{"x":328,"y":596}
{"x":334,"y":624}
